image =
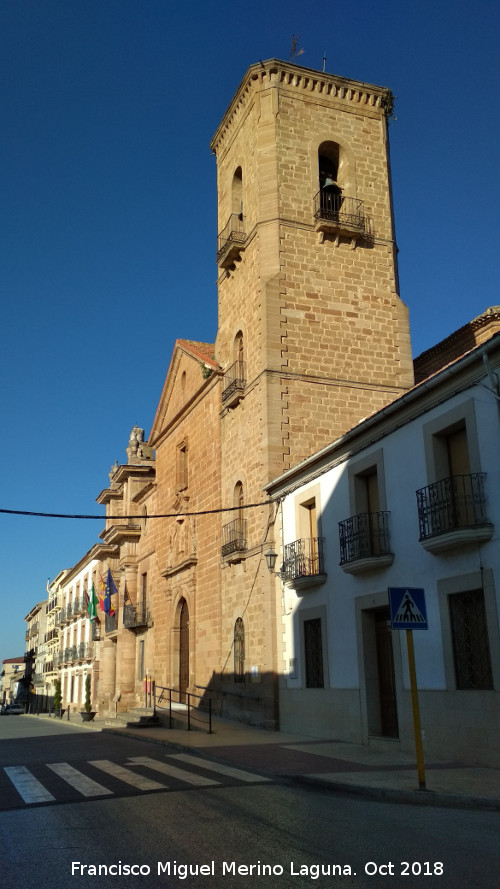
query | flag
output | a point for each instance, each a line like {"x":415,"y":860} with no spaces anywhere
{"x":102,"y":592}
{"x":110,"y":591}
{"x":92,"y":606}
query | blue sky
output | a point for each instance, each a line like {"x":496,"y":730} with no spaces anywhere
{"x":108,"y":215}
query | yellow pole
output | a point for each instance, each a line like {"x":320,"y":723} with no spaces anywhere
{"x":415,"y":709}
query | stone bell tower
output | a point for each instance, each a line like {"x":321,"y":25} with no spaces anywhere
{"x":309,"y":309}
{"x":312,"y":333}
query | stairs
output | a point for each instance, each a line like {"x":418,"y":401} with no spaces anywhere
{"x":138,"y":717}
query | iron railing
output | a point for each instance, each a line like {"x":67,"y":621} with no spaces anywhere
{"x":452,"y":504}
{"x":110,"y":622}
{"x":232,"y":235}
{"x":363,"y":536}
{"x":96,"y":631}
{"x":340,"y":209}
{"x":195,"y":709}
{"x":234,"y":380}
{"x":303,"y":558}
{"x":135,"y":616}
{"x":234,"y":537}
{"x":84,"y":651}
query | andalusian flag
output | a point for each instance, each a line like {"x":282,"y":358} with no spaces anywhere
{"x":110,"y":591}
{"x":92,"y":606}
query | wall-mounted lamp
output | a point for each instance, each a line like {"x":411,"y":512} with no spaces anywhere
{"x":271,"y":557}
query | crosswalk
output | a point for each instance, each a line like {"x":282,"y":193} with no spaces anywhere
{"x":63,"y":782}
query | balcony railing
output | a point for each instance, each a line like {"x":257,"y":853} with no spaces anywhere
{"x":452,"y":504}
{"x":231,"y":240}
{"x":110,"y":622}
{"x":84,"y":651}
{"x":303,"y":559}
{"x":364,"y":536}
{"x":234,"y":537}
{"x":79,"y":605}
{"x":234,"y":383}
{"x":135,"y":616}
{"x":341,"y":214}
{"x":96,"y":631}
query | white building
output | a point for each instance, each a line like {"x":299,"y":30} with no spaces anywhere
{"x":77,"y":634}
{"x":408,"y":498}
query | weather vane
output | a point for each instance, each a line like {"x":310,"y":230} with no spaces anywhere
{"x":294,"y":52}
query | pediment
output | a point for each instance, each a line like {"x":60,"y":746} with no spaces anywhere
{"x":191,"y":368}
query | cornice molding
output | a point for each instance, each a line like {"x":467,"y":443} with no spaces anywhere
{"x":277,"y":74}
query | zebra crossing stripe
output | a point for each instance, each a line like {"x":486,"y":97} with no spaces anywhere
{"x":138,"y":781}
{"x":229,"y":771}
{"x":85,"y":786}
{"x":172,"y":770}
{"x":27,"y":785}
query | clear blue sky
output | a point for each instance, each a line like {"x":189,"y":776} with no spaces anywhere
{"x":108,"y":215}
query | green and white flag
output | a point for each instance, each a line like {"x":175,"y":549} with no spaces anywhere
{"x":92,"y":606}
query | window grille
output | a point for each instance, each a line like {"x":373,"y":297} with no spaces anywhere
{"x":469,"y":632}
{"x":313,"y":647}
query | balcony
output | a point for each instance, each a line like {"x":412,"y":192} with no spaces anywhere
{"x":336,"y":214}
{"x":96,"y":631}
{"x":110,"y":622}
{"x":452,"y":513}
{"x":234,"y":540}
{"x":84,"y":651}
{"x":364,"y":542}
{"x":233,"y":385}
{"x":303,"y":563}
{"x":135,"y":616}
{"x":231,"y":241}
{"x":79,"y":606}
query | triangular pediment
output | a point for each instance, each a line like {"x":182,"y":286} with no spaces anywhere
{"x":191,"y":368}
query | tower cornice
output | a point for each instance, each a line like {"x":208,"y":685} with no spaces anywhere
{"x":275,"y":73}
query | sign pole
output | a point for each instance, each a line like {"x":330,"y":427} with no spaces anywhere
{"x":416,"y":711}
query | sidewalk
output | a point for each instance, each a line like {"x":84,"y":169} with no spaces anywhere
{"x":375,"y":772}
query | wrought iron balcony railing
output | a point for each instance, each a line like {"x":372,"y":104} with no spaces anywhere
{"x":135,"y":616}
{"x":96,"y":631}
{"x":234,"y":382}
{"x":231,"y":240}
{"x":364,"y":536}
{"x":110,"y":622}
{"x":341,"y":213}
{"x":234,"y":537}
{"x":84,"y":651}
{"x":303,"y":558}
{"x":452,"y":504}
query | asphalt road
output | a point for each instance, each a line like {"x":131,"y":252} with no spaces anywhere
{"x":231,"y":829}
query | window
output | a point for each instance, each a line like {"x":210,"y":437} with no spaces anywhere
{"x":364,"y":536}
{"x":471,"y":652}
{"x":313,"y":653}
{"x":239,"y":650}
{"x":237,"y":193}
{"x":182,"y":467}
{"x":140,"y":662}
{"x":235,"y":377}
{"x":452,"y":507}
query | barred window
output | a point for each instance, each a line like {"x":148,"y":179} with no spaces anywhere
{"x":471,"y":651}
{"x":239,"y":650}
{"x":313,"y":648}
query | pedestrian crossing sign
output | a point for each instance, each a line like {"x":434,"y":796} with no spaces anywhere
{"x":408,"y":611}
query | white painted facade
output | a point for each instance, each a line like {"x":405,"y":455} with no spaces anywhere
{"x":77,"y":649}
{"x":337,"y":613}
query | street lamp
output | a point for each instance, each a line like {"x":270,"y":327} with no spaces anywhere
{"x":270,"y":557}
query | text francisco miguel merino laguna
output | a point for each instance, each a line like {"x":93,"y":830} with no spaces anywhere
{"x":210,"y":869}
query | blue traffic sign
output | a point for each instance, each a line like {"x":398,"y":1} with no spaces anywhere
{"x":408,"y":611}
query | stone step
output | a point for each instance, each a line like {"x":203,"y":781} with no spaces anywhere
{"x":137,"y":717}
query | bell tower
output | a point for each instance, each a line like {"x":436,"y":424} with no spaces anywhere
{"x":312,"y":333}
{"x":309,"y":308}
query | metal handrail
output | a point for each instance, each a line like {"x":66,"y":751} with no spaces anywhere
{"x":364,"y":536}
{"x":302,"y":558}
{"x":232,"y":233}
{"x":452,"y":504}
{"x":234,"y":537}
{"x":234,"y":379}
{"x":338,"y":208}
{"x":163,"y":701}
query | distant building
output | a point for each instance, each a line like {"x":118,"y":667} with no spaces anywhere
{"x":12,"y":675}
